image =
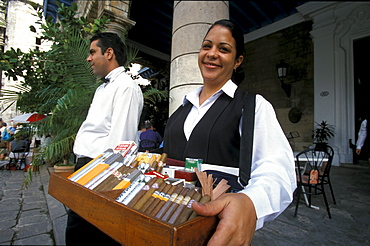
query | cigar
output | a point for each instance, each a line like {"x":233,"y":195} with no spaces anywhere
{"x":158,"y":196}
{"x":173,"y":197}
{"x":152,"y":160}
{"x":90,"y":165}
{"x":139,"y":181}
{"x":103,"y":175}
{"x":153,"y":196}
{"x":114,"y":178}
{"x":175,"y":204}
{"x":181,"y":206}
{"x":98,"y":168}
{"x":134,"y":164}
{"x":142,"y":192}
{"x":144,"y":167}
{"x":204,"y":199}
{"x":137,"y":188}
{"x":126,"y":181}
{"x":186,"y":212}
{"x":161,"y":163}
{"x":162,"y":199}
{"x":147,"y":194}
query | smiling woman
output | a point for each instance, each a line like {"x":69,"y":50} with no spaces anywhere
{"x":209,"y":126}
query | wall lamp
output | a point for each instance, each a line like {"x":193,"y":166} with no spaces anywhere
{"x":282,"y":69}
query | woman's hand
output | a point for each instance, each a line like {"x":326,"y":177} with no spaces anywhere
{"x":237,"y":219}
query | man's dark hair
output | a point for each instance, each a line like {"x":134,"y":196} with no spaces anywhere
{"x":148,"y":125}
{"x":111,"y":40}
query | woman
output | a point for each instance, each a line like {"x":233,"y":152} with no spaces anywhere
{"x":207,"y":126}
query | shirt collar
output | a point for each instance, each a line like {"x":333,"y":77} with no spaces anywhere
{"x":228,"y":88}
{"x":114,"y":73}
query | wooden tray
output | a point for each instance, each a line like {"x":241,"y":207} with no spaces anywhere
{"x":127,"y":226}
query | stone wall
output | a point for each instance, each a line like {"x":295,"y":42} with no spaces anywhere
{"x":20,"y":15}
{"x":295,"y":46}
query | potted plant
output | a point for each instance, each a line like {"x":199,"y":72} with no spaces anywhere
{"x":322,"y":133}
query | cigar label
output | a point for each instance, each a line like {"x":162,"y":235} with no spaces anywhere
{"x":127,"y":180}
{"x":162,"y":200}
{"x":142,"y":192}
{"x":204,"y":199}
{"x":100,"y":167}
{"x":148,"y":194}
{"x":90,"y":165}
{"x":173,"y":197}
{"x":143,"y":167}
{"x":136,"y":190}
{"x":186,"y":212}
{"x":158,"y":196}
{"x":182,"y":206}
{"x":131,"y":187}
{"x":113,"y":179}
{"x":175,"y":204}
{"x":96,"y":168}
{"x":155,"y":194}
{"x":103,"y":175}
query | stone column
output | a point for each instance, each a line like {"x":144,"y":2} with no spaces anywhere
{"x":191,"y":20}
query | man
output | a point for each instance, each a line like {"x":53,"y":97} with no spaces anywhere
{"x":113,"y":116}
{"x":154,"y":137}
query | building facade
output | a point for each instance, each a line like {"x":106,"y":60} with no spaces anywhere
{"x":322,"y":42}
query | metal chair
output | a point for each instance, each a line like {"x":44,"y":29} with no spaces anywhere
{"x":17,"y":158}
{"x":313,"y":173}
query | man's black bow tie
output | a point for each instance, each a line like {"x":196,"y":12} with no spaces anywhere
{"x":105,"y":80}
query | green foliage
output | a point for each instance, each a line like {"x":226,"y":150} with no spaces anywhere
{"x":58,"y":82}
{"x":323,"y":132}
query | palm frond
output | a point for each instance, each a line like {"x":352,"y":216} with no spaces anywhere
{"x":153,"y":95}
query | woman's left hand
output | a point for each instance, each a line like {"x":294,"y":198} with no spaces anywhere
{"x":237,"y":219}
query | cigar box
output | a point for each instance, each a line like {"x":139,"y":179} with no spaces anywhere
{"x":127,"y":226}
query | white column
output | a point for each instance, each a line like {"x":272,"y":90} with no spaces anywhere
{"x":191,"y":20}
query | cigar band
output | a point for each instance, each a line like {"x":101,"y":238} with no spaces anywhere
{"x":146,"y":187}
{"x":166,"y":197}
{"x":117,"y":174}
{"x":173,"y":197}
{"x":179,"y":199}
{"x":155,"y":186}
{"x":186,"y":200}
{"x":156,"y":194}
{"x":190,"y":203}
{"x":161,"y":195}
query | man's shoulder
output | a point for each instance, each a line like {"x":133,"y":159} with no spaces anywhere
{"x":124,"y":80}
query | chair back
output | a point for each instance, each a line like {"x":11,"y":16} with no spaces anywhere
{"x":20,"y":152}
{"x":311,"y":160}
{"x":147,"y":144}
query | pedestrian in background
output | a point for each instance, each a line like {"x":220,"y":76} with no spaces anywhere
{"x":362,"y":144}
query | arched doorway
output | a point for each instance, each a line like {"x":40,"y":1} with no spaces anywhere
{"x":361,"y":52}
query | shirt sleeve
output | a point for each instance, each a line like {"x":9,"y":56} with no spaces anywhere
{"x":362,"y":134}
{"x":273,"y":178}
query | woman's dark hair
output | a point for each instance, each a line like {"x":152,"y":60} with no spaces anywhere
{"x":111,"y":40}
{"x":237,"y":34}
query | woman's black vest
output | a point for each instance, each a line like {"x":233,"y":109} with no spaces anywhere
{"x":216,"y":137}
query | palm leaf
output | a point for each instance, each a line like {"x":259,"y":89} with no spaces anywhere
{"x":152,"y":95}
